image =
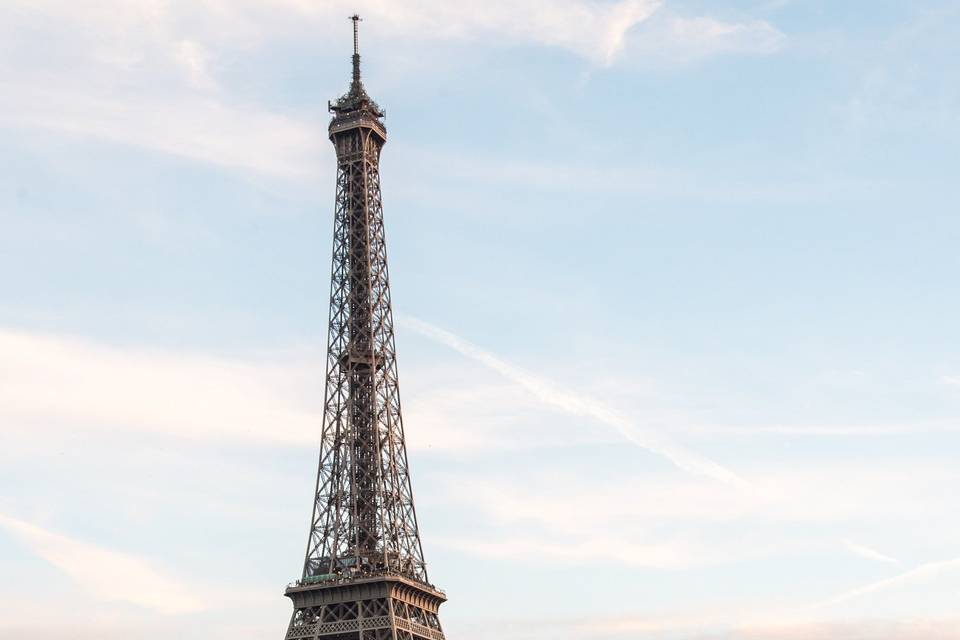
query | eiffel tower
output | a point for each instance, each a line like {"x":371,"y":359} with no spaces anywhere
{"x":364,"y":577}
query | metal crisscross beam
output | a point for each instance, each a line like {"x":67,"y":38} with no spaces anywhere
{"x":364,"y":576}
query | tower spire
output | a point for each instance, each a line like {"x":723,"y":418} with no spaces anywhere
{"x":356,"y":98}
{"x":356,"y":47}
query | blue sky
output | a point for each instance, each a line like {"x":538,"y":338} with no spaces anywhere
{"x":676,"y":289}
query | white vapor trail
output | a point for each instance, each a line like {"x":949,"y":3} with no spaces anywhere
{"x":919,"y":574}
{"x":868,"y":553}
{"x":579,"y":405}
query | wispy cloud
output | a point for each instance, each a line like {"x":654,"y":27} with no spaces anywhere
{"x":789,"y":497}
{"x":596,"y":31}
{"x":664,"y":520}
{"x":920,"y":574}
{"x":951,"y":381}
{"x":468,"y":170}
{"x":600,"y":32}
{"x":131,"y":73}
{"x":195,"y":128}
{"x":868,"y":553}
{"x":685,"y":39}
{"x":580,"y":405}
{"x":584,"y":552}
{"x":54,"y":382}
{"x":822,"y":430}
{"x":106,"y":574}
{"x":895,"y":94}
{"x":144,"y":73}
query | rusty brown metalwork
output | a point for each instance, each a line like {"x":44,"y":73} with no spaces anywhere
{"x":364,"y":576}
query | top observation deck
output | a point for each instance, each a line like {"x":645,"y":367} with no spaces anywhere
{"x":356,"y":108}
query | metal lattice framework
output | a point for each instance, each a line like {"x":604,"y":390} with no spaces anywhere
{"x":364,"y":574}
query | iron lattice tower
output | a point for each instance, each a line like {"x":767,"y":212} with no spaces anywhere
{"x":364,"y":577}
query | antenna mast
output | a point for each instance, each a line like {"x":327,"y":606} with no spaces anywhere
{"x":356,"y":46}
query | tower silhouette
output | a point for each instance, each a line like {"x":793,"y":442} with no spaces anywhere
{"x":364,"y":577}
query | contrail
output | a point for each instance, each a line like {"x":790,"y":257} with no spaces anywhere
{"x":919,"y":574}
{"x":579,"y":405}
{"x":868,"y":553}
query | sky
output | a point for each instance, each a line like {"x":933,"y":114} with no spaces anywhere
{"x":676,"y":301}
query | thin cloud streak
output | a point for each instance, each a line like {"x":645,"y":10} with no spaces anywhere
{"x":593,"y":31}
{"x":55,"y":383}
{"x":868,"y":553}
{"x":194,"y":128}
{"x":580,"y":405}
{"x":106,"y":574}
{"x":138,"y":77}
{"x":683,"y":40}
{"x":582,"y":553}
{"x":920,"y":574}
{"x":822,"y":430}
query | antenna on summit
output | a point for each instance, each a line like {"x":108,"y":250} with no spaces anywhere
{"x":356,"y":33}
{"x":356,"y":98}
{"x":356,"y":47}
